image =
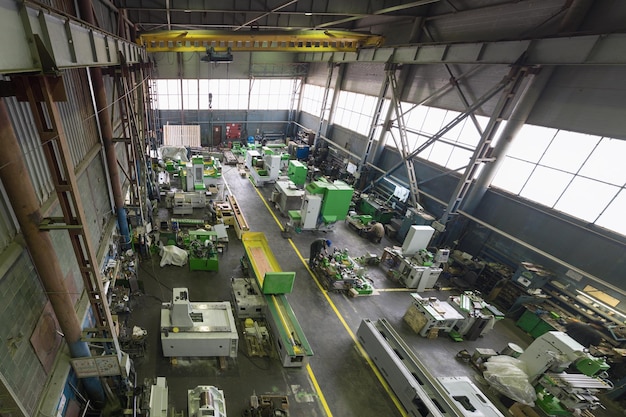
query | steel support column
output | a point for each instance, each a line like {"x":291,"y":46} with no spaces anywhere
{"x":106,"y":135}
{"x":482,"y":100}
{"x":481,"y":153}
{"x":320,"y":130}
{"x":375,"y":121}
{"x":21,"y":194}
{"x":515,"y":122}
{"x":404,"y":146}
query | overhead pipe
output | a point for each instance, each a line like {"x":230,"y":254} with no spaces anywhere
{"x":21,"y":193}
{"x":106,"y":133}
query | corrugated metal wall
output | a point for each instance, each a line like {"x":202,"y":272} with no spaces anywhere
{"x":28,"y":137}
{"x":8,"y":223}
{"x":78,"y":116}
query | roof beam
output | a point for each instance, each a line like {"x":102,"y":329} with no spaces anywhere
{"x":576,"y":50}
{"x":61,"y":41}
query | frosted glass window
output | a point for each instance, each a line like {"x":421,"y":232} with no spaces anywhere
{"x":545,"y":185}
{"x":190,"y":102}
{"x":606,"y":163}
{"x":569,"y":150}
{"x":415,"y":118}
{"x":512,"y":175}
{"x":434,"y":119}
{"x":440,"y":153}
{"x":613,"y":216}
{"x":453,"y":134}
{"x":470,"y":135}
{"x":531,"y":142}
{"x":585,"y":198}
{"x":459,"y":158}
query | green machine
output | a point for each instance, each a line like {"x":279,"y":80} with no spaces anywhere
{"x":323,"y":205}
{"x":202,"y":250}
{"x":378,"y":209}
{"x":297,"y":172}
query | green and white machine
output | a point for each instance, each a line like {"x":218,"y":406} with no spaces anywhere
{"x":287,"y":194}
{"x":324,"y":204}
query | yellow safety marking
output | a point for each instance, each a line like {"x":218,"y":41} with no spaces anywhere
{"x":318,"y":390}
{"x":369,"y":361}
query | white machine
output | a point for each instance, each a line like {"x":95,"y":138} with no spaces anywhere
{"x":547,"y":360}
{"x":311,"y":207}
{"x":263,"y":168}
{"x":206,"y":400}
{"x":421,"y":270}
{"x":417,"y":238}
{"x":287,"y":196}
{"x":158,"y":398}
{"x":197,"y":329}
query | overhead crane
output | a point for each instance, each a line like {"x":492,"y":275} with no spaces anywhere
{"x":291,"y":343}
{"x":269,"y":41}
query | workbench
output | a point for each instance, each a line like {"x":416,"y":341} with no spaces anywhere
{"x":440,"y":315}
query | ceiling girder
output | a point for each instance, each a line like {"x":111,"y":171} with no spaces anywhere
{"x":576,"y":50}
{"x":62,"y":41}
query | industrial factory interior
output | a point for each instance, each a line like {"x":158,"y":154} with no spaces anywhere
{"x":307,"y":208}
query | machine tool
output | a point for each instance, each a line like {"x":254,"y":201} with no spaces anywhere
{"x":206,"y":400}
{"x":201,"y":172}
{"x":339,"y":272}
{"x":202,"y":249}
{"x":197,"y":329}
{"x":291,"y":343}
{"x":287,"y":194}
{"x":323,"y":204}
{"x":420,"y":393}
{"x":265,"y":166}
{"x":566,"y":377}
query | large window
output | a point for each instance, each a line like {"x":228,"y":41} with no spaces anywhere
{"x":355,"y":111}
{"x":453,"y":150}
{"x":313,"y":98}
{"x":240,"y":94}
{"x":574,"y":173}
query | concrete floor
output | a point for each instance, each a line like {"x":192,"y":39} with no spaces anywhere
{"x":338,"y":382}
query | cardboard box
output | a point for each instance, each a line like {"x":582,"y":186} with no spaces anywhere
{"x":521,"y":410}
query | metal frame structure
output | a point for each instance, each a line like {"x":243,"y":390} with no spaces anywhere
{"x":41,"y":93}
{"x":55,"y":41}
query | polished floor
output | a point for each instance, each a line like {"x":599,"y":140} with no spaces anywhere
{"x":338,"y":381}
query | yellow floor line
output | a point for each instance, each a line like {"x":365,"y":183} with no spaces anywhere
{"x":369,"y":361}
{"x":395,"y":289}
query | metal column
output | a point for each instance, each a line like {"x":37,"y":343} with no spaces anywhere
{"x":404,"y":146}
{"x":483,"y":148}
{"x":329,"y":79}
{"x":21,"y":193}
{"x":133,"y":140}
{"x":478,"y":103}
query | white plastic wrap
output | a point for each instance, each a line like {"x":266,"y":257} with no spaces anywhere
{"x":174,"y":153}
{"x":172,"y":255}
{"x":508,"y":376}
